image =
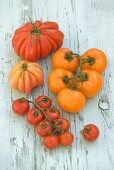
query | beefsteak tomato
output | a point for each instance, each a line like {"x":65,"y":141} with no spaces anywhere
{"x":37,"y":39}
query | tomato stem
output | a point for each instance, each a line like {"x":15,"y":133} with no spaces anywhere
{"x":52,"y":123}
{"x":90,"y":60}
{"x":24,"y":66}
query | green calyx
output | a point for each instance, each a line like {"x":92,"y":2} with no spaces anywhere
{"x":90,"y":60}
{"x":35,"y":30}
{"x":82,"y":77}
{"x":22,"y":99}
{"x":45,"y":99}
{"x":66,"y":79}
{"x":36,"y":113}
{"x":69,"y":56}
{"x":24,"y":66}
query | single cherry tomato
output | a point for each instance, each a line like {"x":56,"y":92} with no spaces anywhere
{"x":66,"y":139}
{"x":62,"y":124}
{"x":59,"y":79}
{"x":90,"y":132}
{"x":53,"y":113}
{"x":43,"y":128}
{"x":51,"y":142}
{"x":94,"y":59}
{"x":20,"y":106}
{"x":92,"y":85}
{"x":43,"y":101}
{"x":34,"y":116}
{"x":66,"y":59}
{"x":71,"y":100}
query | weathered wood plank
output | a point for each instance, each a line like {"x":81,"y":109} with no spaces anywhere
{"x":86,"y":24}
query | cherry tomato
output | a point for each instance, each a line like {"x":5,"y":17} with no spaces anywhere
{"x":43,"y":101}
{"x":20,"y":106}
{"x":62,"y":124}
{"x":90,"y":132}
{"x":43,"y":128}
{"x":51,"y":142}
{"x":34,"y":116}
{"x":66,"y":139}
{"x":53,"y":113}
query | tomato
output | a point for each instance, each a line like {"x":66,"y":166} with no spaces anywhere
{"x":66,"y":139}
{"x":94,"y":59}
{"x":34,"y":116}
{"x":62,"y":124}
{"x":90,"y":132}
{"x":37,"y":39}
{"x":53,"y":113}
{"x":64,"y":58}
{"x":43,"y":128}
{"x":71,"y":100}
{"x":43,"y":101}
{"x":24,"y":76}
{"x":51,"y":142}
{"x":93,"y":84}
{"x":59,"y":79}
{"x":20,"y":106}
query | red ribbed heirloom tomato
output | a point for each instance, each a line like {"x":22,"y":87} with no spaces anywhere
{"x":37,"y":39}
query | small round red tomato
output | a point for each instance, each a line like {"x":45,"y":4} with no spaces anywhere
{"x":20,"y":106}
{"x":66,"y":139}
{"x":43,"y":128}
{"x":43,"y":101}
{"x":34,"y":116}
{"x":90,"y":132}
{"x":51,"y":142}
{"x":53,"y":113}
{"x":62,"y":124}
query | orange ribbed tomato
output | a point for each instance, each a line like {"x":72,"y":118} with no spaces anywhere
{"x":37,"y":40}
{"x":71,"y":100}
{"x":59,"y":79}
{"x":24,"y":76}
{"x":93,"y":84}
{"x":64,"y":58}
{"x":94,"y":59}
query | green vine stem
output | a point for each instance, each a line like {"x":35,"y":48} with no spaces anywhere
{"x":52,"y":122}
{"x":79,"y":76}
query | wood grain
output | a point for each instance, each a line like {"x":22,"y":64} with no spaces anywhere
{"x":86,"y":24}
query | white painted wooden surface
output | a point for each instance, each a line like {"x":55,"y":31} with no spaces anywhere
{"x":86,"y":24}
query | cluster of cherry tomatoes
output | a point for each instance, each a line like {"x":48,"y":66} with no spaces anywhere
{"x":46,"y":117}
{"x":49,"y":125}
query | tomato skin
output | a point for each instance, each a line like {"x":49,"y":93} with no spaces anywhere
{"x":53,"y":113}
{"x":93,"y":85}
{"x":34,"y":116}
{"x":56,"y":79}
{"x":90,"y":132}
{"x":60,"y":59}
{"x":43,"y":101}
{"x":51,"y":142}
{"x":99,"y":57}
{"x":66,"y":139}
{"x":62,"y":124}
{"x":71,"y":100}
{"x":43,"y":128}
{"x":20,"y":107}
